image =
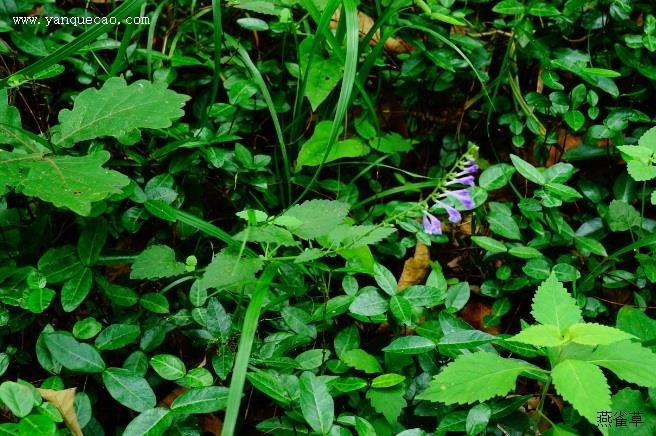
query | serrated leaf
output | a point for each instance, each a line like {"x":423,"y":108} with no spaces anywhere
{"x":317,"y":405}
{"x":72,"y":354}
{"x":316,"y":217}
{"x":151,"y":422}
{"x":583,"y":385}
{"x":129,"y":389}
{"x":553,"y":305}
{"x":410,"y":345}
{"x":640,"y":171}
{"x":388,"y":401}
{"x":474,"y":377}
{"x":527,"y":170}
{"x":117,"y":336}
{"x":118,"y":110}
{"x":595,"y":334}
{"x":540,"y":336}
{"x":155,"y":262}
{"x":629,"y":361}
{"x":201,"y":400}
{"x":361,"y":360}
{"x":74,"y":182}
{"x":75,"y":290}
{"x":227,"y":270}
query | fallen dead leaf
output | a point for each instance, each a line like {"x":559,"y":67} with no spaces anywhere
{"x":64,"y":401}
{"x":365,"y":23}
{"x":416,"y":268}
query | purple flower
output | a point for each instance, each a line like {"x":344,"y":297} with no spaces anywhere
{"x":432,"y":225}
{"x":470,"y":168}
{"x":466,"y":180}
{"x":454,"y":215}
{"x":462,"y":195}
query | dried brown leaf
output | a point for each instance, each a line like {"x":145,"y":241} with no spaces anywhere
{"x":64,"y":401}
{"x":416,"y":268}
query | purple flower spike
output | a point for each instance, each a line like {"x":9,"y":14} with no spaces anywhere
{"x":462,"y":195}
{"x":454,"y":215}
{"x":470,"y":168}
{"x":467,"y":181}
{"x":432,"y":225}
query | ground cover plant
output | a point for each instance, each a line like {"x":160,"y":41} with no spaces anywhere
{"x":293,"y":217}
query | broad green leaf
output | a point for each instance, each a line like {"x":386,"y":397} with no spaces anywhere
{"x":316,"y":217}
{"x":198,"y":378}
{"x":316,"y":403}
{"x":504,"y":225}
{"x":347,"y":339}
{"x":271,"y":384}
{"x":496,"y":176}
{"x":348,"y":384}
{"x":385,"y":279}
{"x":388,"y":401}
{"x":154,"y":302}
{"x":59,"y":264}
{"x":453,"y":341}
{"x":474,"y":377}
{"x":457,"y":296}
{"x":410,"y":345}
{"x":74,"y":182}
{"x":324,"y":73}
{"x":118,"y":110}
{"x":401,"y":309}
{"x":593,"y":246}
{"x":636,"y":322}
{"x":129,"y":389}
{"x":361,"y":360}
{"x":17,"y":397}
{"x":168,"y":366}
{"x":4,"y":363}
{"x":201,"y":400}
{"x":584,"y":386}
{"x":72,"y":354}
{"x":39,"y":299}
{"x":387,"y":380}
{"x":227,"y":270}
{"x":574,"y":119}
{"x":524,"y":252}
{"x":628,"y":360}
{"x":75,"y":290}
{"x":86,"y":328}
{"x":622,"y":216}
{"x":312,"y":359}
{"x":540,"y":336}
{"x":423,"y":296}
{"x":629,"y":403}
{"x":509,"y":7}
{"x":477,"y":419}
{"x":91,"y":242}
{"x":369,"y":303}
{"x":155,"y":262}
{"x":151,"y":422}
{"x":218,"y":320}
{"x":118,"y":295}
{"x":489,"y":244}
{"x":117,"y":336}
{"x":553,"y":305}
{"x":595,"y":334}
{"x":640,"y":171}
{"x":297,"y":320}
{"x":527,"y":170}
{"x":37,"y":425}
{"x":314,"y":149}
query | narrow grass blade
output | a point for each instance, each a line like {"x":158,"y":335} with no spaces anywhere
{"x":244,"y":349}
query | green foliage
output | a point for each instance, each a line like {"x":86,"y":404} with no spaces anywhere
{"x":334,"y":212}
